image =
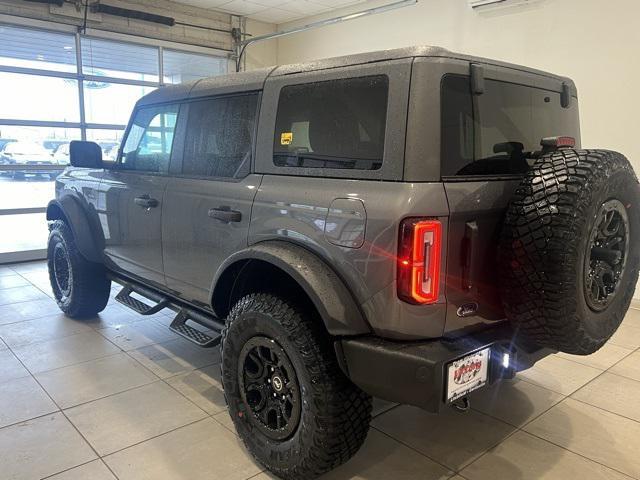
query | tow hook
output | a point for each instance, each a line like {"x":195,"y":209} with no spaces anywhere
{"x":461,"y":405}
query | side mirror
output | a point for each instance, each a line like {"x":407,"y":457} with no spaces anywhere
{"x":85,"y":154}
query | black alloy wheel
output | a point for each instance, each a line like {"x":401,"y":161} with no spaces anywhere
{"x":62,"y":272}
{"x":269,"y":386}
{"x":606,"y":258}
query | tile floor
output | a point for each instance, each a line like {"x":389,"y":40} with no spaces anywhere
{"x":121,"y":397}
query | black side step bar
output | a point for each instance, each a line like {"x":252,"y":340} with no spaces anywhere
{"x":125,"y":298}
{"x":213,"y":326}
{"x":179,"y":326}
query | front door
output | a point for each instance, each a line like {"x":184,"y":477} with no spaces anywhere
{"x":133,"y":192}
{"x":207,"y":204}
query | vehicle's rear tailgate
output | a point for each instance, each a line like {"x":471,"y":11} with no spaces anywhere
{"x":472,"y":282}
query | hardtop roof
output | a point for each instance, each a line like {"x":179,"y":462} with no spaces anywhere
{"x":254,"y":79}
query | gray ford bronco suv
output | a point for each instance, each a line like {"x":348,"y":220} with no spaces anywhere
{"x":410,"y":224}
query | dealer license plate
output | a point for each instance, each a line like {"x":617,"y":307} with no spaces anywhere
{"x":467,"y":374}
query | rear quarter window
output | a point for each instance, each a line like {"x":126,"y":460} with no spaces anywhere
{"x":332,"y":124}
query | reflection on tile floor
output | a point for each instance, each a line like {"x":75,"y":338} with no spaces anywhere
{"x":121,"y":397}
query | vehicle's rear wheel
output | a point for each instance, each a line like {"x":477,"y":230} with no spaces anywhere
{"x":569,"y":251}
{"x":291,"y":404}
{"x":81,"y":288}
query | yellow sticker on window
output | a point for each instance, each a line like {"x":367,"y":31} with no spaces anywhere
{"x":286,"y":138}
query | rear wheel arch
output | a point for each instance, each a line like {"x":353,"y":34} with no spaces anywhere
{"x":294,"y":272}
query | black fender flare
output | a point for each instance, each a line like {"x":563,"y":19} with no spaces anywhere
{"x":82,"y":219}
{"x":334,"y":302}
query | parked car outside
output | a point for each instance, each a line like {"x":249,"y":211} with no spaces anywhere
{"x":110,"y":154}
{"x":106,"y":145}
{"x":27,"y":153}
{"x":61,"y":154}
{"x":52,"y":145}
{"x":4,"y":141}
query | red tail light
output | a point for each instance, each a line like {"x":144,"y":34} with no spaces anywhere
{"x":419,"y":252}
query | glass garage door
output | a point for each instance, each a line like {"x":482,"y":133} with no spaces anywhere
{"x":58,"y":87}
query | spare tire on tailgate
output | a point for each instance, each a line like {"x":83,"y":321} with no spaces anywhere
{"x":569,"y":249}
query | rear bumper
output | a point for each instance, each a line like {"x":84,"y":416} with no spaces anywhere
{"x":414,"y":373}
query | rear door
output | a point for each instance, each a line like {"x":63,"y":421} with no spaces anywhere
{"x":132,"y":194}
{"x":486,"y":143}
{"x":208,"y":201}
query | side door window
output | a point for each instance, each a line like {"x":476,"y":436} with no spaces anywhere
{"x":219,"y":137}
{"x":150,"y":140}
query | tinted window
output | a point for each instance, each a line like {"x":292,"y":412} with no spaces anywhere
{"x":494,"y":133}
{"x":219,"y":137}
{"x":150,"y":138}
{"x":332,"y":124}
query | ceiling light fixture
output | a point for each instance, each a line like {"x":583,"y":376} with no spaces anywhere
{"x":483,"y":3}
{"x":480,"y":4}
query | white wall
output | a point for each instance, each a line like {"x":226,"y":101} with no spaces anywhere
{"x":595,"y":42}
{"x":261,"y":54}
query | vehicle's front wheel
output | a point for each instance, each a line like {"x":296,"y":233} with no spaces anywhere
{"x":81,"y":288}
{"x":292,"y":406}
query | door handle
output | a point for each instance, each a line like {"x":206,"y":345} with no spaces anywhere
{"x":225,"y":214}
{"x":469,"y":260}
{"x":146,"y":201}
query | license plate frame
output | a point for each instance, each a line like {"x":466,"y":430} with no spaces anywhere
{"x":466,"y":374}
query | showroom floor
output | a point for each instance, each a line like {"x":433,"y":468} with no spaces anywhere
{"x":121,"y":397}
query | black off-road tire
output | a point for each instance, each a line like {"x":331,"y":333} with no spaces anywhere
{"x":545,"y":249}
{"x":335,"y":414}
{"x":87,"y":292}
